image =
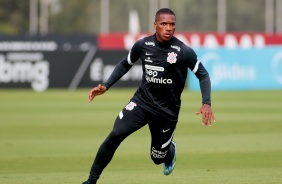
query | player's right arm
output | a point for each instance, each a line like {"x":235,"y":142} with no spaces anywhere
{"x":99,"y":90}
{"x":120,"y":70}
{"x":125,"y":64}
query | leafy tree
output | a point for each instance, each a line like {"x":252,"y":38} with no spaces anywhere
{"x":76,"y":17}
{"x":83,"y":16}
{"x":14,"y":16}
{"x":245,"y":15}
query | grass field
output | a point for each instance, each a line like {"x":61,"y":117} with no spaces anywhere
{"x":52,"y":137}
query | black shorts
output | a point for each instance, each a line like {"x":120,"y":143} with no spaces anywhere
{"x":133,"y":117}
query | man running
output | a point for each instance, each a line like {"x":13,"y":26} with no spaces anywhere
{"x":157,"y":101}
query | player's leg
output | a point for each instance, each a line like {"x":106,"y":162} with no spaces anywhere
{"x":162,"y":132}
{"x":128,"y":121}
{"x":169,"y":165}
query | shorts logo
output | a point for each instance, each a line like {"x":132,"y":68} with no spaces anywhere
{"x":171,"y":57}
{"x":130,"y":106}
{"x":158,"y":154}
{"x":164,"y":131}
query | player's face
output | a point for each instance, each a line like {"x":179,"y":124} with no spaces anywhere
{"x":165,"y":27}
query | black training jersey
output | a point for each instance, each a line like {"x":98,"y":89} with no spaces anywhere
{"x":164,"y":74}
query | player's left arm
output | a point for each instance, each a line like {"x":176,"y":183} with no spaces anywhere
{"x":205,"y":85}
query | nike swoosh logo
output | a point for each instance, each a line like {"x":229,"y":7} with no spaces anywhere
{"x":164,"y":131}
{"x":148,"y":54}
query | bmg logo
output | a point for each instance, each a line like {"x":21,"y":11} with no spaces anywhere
{"x":19,"y":71}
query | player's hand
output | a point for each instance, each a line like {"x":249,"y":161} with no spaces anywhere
{"x":99,"y":90}
{"x":207,"y":115}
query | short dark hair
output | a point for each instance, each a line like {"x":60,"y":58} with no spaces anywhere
{"x":164,"y":11}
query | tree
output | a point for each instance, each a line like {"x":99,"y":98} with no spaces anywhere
{"x":74,"y":16}
{"x":14,"y":16}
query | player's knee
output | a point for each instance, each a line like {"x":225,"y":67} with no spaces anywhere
{"x":114,"y":138}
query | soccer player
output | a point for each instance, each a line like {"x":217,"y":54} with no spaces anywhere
{"x":156,"y":102}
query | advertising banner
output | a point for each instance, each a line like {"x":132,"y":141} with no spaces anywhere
{"x":102,"y":66}
{"x":42,"y":62}
{"x":54,"y":61}
{"x":124,"y":41}
{"x":59,"y":62}
{"x":241,"y":69}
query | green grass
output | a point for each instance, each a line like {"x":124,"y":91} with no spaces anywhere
{"x":52,"y":137}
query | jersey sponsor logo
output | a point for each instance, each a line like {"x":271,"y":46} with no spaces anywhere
{"x":150,"y":43}
{"x":152,"y":73}
{"x":175,"y":47}
{"x":158,"y":80}
{"x":171,"y":57}
{"x":149,"y":60}
{"x":130,"y":106}
{"x":156,"y":68}
{"x":158,"y":154}
{"x":148,"y":54}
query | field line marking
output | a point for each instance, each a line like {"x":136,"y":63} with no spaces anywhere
{"x":83,"y":67}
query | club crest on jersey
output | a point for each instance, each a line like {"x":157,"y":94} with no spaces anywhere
{"x":130,"y":106}
{"x":171,"y":58}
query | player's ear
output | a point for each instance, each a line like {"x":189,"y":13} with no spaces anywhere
{"x":155,"y":24}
